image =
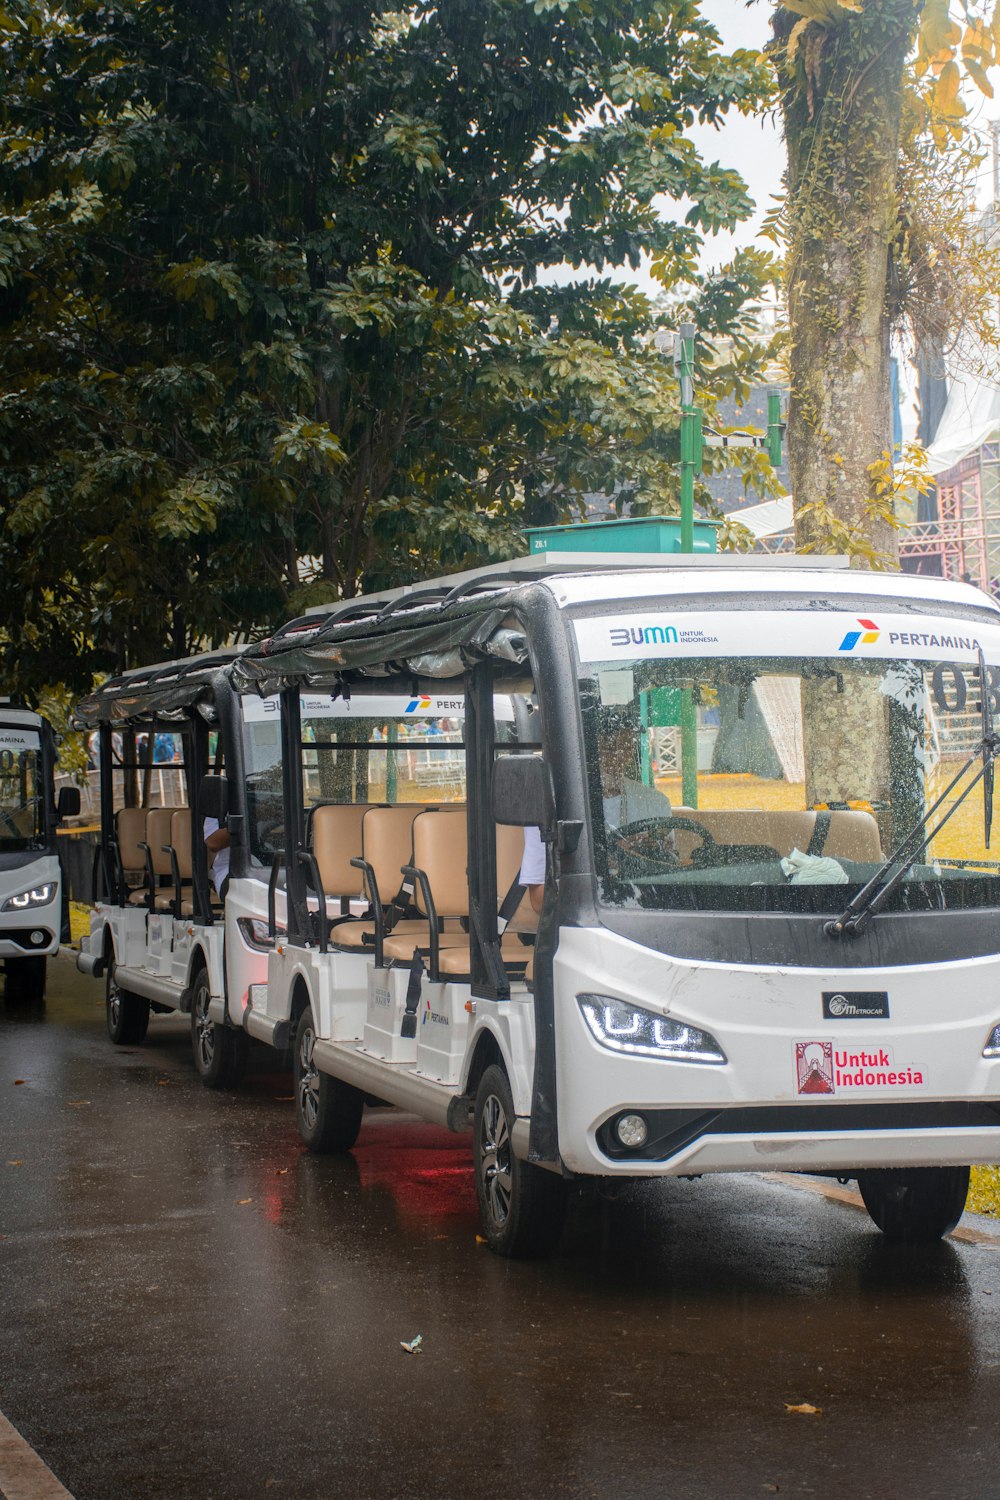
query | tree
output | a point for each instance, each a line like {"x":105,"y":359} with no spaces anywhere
{"x":855,"y":119}
{"x":269,"y":292}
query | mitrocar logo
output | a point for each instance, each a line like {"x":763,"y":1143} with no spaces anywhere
{"x":643,"y":635}
{"x":423,"y":702}
{"x":867,"y":636}
{"x":855,"y":1005}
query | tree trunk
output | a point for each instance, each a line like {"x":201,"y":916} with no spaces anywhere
{"x":841,"y":104}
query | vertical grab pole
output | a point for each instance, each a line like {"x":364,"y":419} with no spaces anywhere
{"x":297,"y":914}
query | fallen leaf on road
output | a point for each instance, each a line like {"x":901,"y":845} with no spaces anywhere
{"x":413,"y":1347}
{"x":77,"y":1103}
{"x":481,"y":1239}
{"x":284,"y":1098}
{"x":18,"y":1163}
{"x":17,"y":1081}
{"x":804,"y":1409}
{"x":281,"y":1171}
{"x":241,"y":1201}
{"x":162,"y":1082}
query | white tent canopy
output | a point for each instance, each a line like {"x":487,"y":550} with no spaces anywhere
{"x":970,"y":419}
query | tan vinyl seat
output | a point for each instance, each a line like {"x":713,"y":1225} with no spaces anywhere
{"x":386,"y":843}
{"x":335,"y":839}
{"x":852,"y":834}
{"x":158,"y":823}
{"x":130,"y":833}
{"x":440,"y":850}
{"x":180,"y":842}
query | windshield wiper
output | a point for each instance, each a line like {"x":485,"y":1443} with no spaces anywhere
{"x":873,"y":896}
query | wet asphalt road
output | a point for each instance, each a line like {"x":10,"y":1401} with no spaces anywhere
{"x":192,"y":1307}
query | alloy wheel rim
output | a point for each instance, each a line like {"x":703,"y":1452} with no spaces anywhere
{"x":494,"y":1159}
{"x":205,"y":1029}
{"x":114,"y":1002}
{"x":308,"y":1080}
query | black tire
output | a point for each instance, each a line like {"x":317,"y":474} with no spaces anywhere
{"x":521,"y":1206}
{"x":127,"y":1013}
{"x":24,"y":980}
{"x":915,"y":1205}
{"x":327,"y":1111}
{"x":220,"y":1052}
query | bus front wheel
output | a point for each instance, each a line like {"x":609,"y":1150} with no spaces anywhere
{"x":220,"y":1052}
{"x":127,"y":1013}
{"x":915,"y":1205}
{"x":24,"y":980}
{"x":327,"y":1110}
{"x":521,"y":1206}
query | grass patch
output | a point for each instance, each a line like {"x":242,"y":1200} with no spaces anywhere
{"x":79,"y":920}
{"x":984,"y":1191}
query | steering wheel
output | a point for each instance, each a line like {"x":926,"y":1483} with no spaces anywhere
{"x":657,"y":862}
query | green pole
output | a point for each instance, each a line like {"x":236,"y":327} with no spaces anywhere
{"x":691,"y":451}
{"x":691,"y":442}
{"x":689,"y":748}
{"x":645,"y":763}
{"x":391,"y":771}
{"x":775,"y":428}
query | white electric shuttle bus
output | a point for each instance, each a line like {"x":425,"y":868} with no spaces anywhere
{"x":757,"y":793}
{"x":31,"y":905}
{"x":169,"y":931}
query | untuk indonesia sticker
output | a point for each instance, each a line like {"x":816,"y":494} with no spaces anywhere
{"x":823,"y":1068}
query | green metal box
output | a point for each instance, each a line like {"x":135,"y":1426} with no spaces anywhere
{"x":636,"y":534}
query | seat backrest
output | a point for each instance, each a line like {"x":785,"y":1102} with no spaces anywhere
{"x":180,"y":841}
{"x":440,"y":849}
{"x":854,"y":835}
{"x":387,"y":844}
{"x":510,"y":852}
{"x":158,"y":823}
{"x":336,"y":836}
{"x":130,"y":830}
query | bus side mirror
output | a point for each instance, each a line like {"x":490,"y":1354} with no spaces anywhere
{"x":522,"y":792}
{"x":68,"y":803}
{"x":213,"y":798}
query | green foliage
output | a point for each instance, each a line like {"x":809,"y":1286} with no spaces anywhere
{"x":270,"y":313}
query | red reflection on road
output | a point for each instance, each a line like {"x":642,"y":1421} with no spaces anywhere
{"x":427,"y":1170}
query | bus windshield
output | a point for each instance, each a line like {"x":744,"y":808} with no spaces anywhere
{"x":22,"y":811}
{"x":762,"y":780}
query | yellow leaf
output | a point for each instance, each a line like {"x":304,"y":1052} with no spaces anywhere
{"x":937,"y":29}
{"x":978,"y":42}
{"x":241,"y":1201}
{"x":995,"y":26}
{"x":946,"y":100}
{"x":978,"y":73}
{"x":804,"y":1409}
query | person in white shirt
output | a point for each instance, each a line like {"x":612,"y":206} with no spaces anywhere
{"x":217,"y":843}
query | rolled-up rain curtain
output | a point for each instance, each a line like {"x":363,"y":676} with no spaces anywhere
{"x":431,"y":642}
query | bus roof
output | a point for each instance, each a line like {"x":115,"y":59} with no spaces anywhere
{"x":425,"y":627}
{"x":160,"y":690}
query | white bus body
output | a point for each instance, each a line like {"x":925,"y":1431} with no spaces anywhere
{"x":31,"y":905}
{"x":161,"y":936}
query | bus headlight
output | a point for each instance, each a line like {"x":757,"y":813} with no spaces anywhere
{"x":41,"y":895}
{"x":254,"y":932}
{"x":992,"y":1048}
{"x":628,"y":1028}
